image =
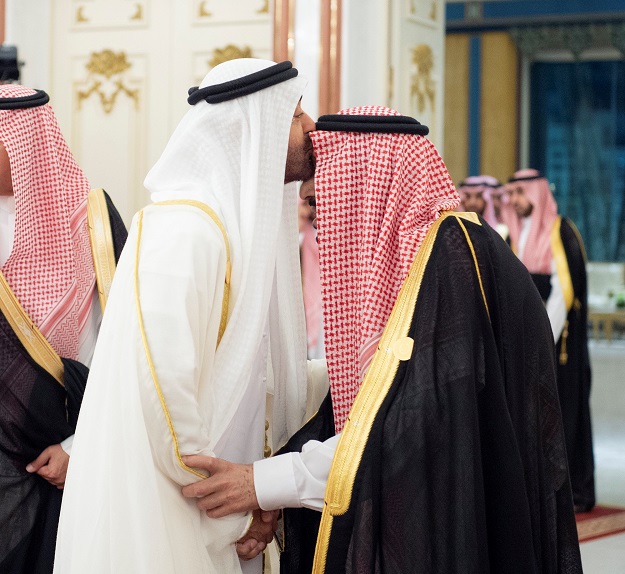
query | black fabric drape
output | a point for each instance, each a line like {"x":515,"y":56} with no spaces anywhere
{"x":574,"y":377}
{"x":300,"y":525}
{"x":35,"y":413}
{"x":465,"y":468}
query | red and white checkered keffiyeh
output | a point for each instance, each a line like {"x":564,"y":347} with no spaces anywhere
{"x":50,"y":268}
{"x":377,"y":196}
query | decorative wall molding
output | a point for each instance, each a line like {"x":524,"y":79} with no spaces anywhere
{"x":211,"y":12}
{"x":203,"y":11}
{"x":138,"y":15}
{"x":575,"y":39}
{"x":230,"y":52}
{"x":422,"y":86}
{"x":108,"y":14}
{"x":80,"y":17}
{"x":105,"y":76}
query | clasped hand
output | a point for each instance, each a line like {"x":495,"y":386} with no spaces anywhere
{"x":230,"y":489}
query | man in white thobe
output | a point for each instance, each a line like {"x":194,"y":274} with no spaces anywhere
{"x":204,"y":319}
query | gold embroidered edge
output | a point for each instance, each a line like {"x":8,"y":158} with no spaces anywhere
{"x":101,"y":243}
{"x":28,"y":333}
{"x":562,"y":265}
{"x":372,"y":392}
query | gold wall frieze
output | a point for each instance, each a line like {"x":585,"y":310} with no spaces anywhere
{"x":413,"y":8}
{"x":422,"y":85}
{"x":264,"y":9}
{"x":203,"y":11}
{"x":80,"y":16}
{"x":105,"y":76}
{"x":230,"y":52}
{"x":433,"y":11}
{"x":138,"y":15}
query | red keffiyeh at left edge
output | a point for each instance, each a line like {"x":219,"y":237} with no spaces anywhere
{"x":377,"y":196}
{"x":50,"y":268}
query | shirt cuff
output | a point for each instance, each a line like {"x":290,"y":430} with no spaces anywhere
{"x":274,"y":482}
{"x":66,"y":445}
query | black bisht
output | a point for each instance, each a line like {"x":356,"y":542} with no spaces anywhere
{"x":36,"y":412}
{"x":573,"y":370}
{"x":465,"y":469}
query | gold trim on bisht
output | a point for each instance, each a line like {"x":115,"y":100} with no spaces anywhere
{"x":375,"y":386}
{"x":101,"y":243}
{"x":562,"y":265}
{"x":144,"y":338}
{"x":29,"y":335}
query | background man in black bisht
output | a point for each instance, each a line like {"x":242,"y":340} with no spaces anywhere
{"x":452,"y":457}
{"x":555,"y":256}
{"x":43,"y":233}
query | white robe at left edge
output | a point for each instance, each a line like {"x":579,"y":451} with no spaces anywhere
{"x":123,"y":511}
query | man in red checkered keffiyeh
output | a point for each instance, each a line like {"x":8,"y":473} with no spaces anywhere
{"x":392,"y":189}
{"x":450,"y":453}
{"x":49,"y":321}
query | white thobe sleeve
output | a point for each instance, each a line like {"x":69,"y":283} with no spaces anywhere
{"x":556,"y":307}
{"x":295,"y":479}
{"x":66,"y":445}
{"x":181,"y":271}
{"x":318,"y":385}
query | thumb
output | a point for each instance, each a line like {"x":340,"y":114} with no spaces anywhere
{"x":208,"y":463}
{"x":40,"y":461}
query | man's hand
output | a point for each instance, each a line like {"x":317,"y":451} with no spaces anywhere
{"x":260,"y":533}
{"x":51,"y":464}
{"x":228,"y":489}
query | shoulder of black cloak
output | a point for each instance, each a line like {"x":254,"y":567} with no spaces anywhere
{"x":575,"y":256}
{"x":457,"y":429}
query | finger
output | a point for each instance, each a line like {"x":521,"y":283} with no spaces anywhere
{"x":253,"y":552}
{"x":199,"y":489}
{"x":266,"y":516}
{"x":245,"y":546}
{"x":41,"y":460}
{"x":210,"y":503}
{"x":208,"y":463}
{"x":219,"y":512}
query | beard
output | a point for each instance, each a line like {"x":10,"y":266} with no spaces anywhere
{"x":300,"y":162}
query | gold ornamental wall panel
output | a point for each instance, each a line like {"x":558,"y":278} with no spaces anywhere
{"x":109,"y":124}
{"x":109,"y":14}
{"x":416,"y":62}
{"x":209,"y":12}
{"x":205,"y":60}
{"x":107,"y":80}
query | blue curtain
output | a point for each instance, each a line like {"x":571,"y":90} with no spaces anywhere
{"x":577,"y":139}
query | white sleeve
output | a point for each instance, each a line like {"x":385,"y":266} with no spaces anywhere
{"x":66,"y":445}
{"x":295,"y":479}
{"x":318,"y":385}
{"x":180,"y":275}
{"x":556,"y":307}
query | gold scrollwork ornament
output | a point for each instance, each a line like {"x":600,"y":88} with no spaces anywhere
{"x":230,"y":52}
{"x":106,"y":69}
{"x":422,"y":86}
{"x":203,"y":11}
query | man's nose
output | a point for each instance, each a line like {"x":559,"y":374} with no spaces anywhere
{"x":307,"y":189}
{"x":307,"y":123}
